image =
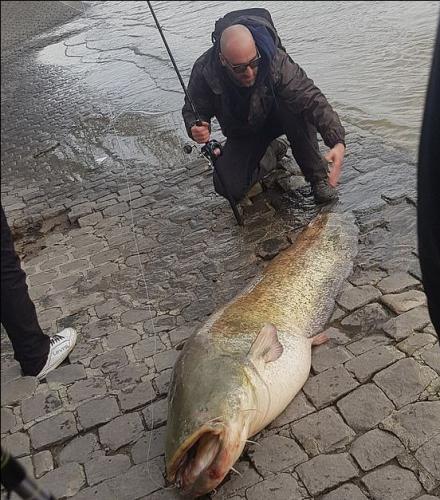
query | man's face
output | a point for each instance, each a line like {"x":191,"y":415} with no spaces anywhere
{"x":242,"y":65}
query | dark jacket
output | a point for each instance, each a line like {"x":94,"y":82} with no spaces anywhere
{"x":286,"y":86}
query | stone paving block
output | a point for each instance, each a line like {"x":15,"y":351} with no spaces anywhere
{"x":137,"y":315}
{"x":280,"y":487}
{"x":109,"y":309}
{"x":110,"y":361}
{"x":365,"y":407}
{"x":17,"y":444}
{"x":53,"y":263}
{"x":397,"y":282}
{"x":329,"y":386}
{"x":322,"y":432}
{"x":415,"y":424}
{"x":86,"y":389}
{"x":79,"y":211}
{"x":105,"y":257}
{"x":81,"y":449}
{"x":135,"y":396}
{"x":63,"y":482}
{"x":148,"y":347}
{"x":88,"y":250}
{"x":66,"y":374}
{"x":403,"y":325}
{"x":347,"y":491}
{"x":74,"y":266}
{"x":90,"y":220}
{"x":8,"y":420}
{"x":62,"y":284}
{"x":156,"y":414}
{"x":369,"y":363}
{"x":99,"y":328}
{"x":236,"y":483}
{"x":121,"y":431}
{"x":165,"y":359}
{"x":357,"y":297}
{"x":392,"y":483}
{"x":179,"y":335}
{"x":43,"y":462}
{"x":149,"y":446}
{"x":137,"y":482}
{"x":375,"y":448}
{"x":297,"y":409}
{"x":39,"y":405}
{"x":102,"y":468}
{"x":84,"y":240}
{"x":97,"y":411}
{"x":116,"y":209}
{"x":366,"y":277}
{"x":42,"y":278}
{"x":414,"y":342}
{"x":53,"y":430}
{"x":123,"y":337}
{"x":429,"y":456}
{"x":324,"y":357}
{"x":37,"y":292}
{"x":16,"y":390}
{"x":403,"y":302}
{"x":162,"y":382}
{"x":336,"y":337}
{"x":326,"y":471}
{"x":431,"y":357}
{"x":368,"y":343}
{"x":85,"y":349}
{"x":127,"y":376}
{"x":275,"y":454}
{"x":367,"y":319}
{"x":404,"y":381}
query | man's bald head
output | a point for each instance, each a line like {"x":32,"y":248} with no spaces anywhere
{"x":237,"y":47}
{"x":235,"y":40}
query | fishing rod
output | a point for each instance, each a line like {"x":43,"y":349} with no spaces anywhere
{"x":208,"y":150}
{"x":14,"y":479}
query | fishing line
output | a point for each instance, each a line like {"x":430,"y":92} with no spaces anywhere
{"x":113,"y":118}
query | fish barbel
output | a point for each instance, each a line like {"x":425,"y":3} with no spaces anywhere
{"x":246,"y":364}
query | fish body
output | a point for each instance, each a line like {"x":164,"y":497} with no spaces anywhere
{"x":246,"y":364}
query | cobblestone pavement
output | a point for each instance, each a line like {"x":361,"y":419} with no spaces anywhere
{"x":367,"y":423}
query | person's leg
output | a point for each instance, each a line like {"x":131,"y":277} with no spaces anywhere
{"x":244,"y":161}
{"x":303,"y":140}
{"x":18,"y":315}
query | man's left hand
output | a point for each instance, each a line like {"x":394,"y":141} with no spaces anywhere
{"x":336,"y":157}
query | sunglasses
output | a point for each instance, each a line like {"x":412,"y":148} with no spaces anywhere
{"x":241,"y":68}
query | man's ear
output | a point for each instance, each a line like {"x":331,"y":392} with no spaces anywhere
{"x":222,"y":59}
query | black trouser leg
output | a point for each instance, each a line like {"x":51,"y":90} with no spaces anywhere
{"x":303,"y":140}
{"x":18,"y":315}
{"x":239,"y":164}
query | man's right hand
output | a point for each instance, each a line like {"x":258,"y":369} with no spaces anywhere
{"x":200,"y":133}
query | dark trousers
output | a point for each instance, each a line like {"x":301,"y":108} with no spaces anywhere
{"x":239,"y":165}
{"x":18,"y":315}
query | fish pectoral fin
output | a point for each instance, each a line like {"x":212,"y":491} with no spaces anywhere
{"x":267,"y":345}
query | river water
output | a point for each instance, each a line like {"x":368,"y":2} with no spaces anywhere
{"x":371,"y":59}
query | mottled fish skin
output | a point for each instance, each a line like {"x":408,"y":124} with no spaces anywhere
{"x":218,"y":390}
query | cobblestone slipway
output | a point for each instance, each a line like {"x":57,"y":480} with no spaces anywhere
{"x":367,"y":423}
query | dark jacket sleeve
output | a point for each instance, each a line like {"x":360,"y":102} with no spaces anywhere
{"x":202,"y":97}
{"x":300,"y":95}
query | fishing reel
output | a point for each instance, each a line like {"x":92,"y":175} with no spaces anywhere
{"x":208,"y":150}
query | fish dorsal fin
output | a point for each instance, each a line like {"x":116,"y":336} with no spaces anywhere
{"x":266,"y":346}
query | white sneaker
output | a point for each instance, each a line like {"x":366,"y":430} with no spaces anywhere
{"x":61,"y":345}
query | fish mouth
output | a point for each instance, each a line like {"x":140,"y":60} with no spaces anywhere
{"x":201,"y":462}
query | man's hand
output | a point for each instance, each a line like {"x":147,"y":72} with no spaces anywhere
{"x":200,"y":134}
{"x":336,"y":157}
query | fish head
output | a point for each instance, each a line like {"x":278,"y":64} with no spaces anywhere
{"x":208,"y":422}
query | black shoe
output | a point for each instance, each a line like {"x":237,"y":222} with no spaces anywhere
{"x":323,"y":192}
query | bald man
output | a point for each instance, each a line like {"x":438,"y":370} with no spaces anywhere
{"x":257,"y":93}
